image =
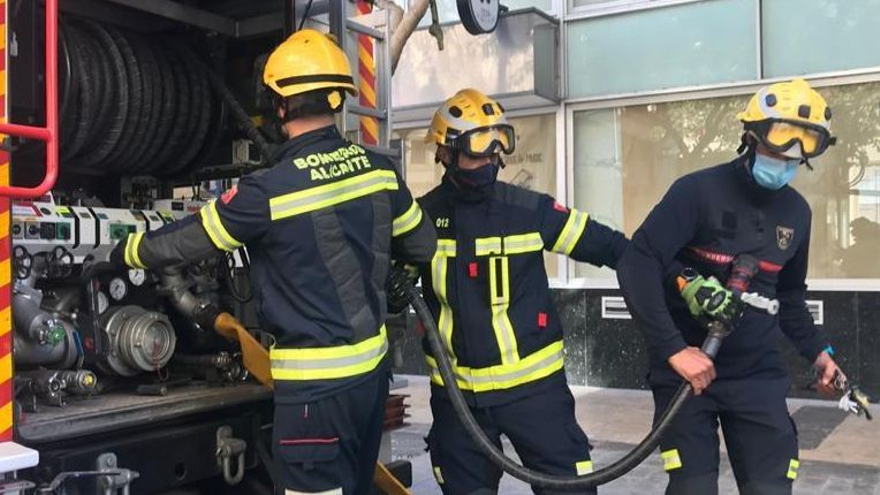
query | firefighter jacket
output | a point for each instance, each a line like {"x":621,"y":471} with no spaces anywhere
{"x":320,"y":227}
{"x":487,"y":286}
{"x":705,"y":221}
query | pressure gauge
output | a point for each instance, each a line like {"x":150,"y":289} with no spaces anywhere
{"x":118,"y":289}
{"x":103,"y":303}
{"x":137,"y":276}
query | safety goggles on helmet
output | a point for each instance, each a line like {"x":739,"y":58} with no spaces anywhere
{"x":486,"y":141}
{"x":781,"y":136}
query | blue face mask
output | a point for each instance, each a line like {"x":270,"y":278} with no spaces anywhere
{"x":772,"y":173}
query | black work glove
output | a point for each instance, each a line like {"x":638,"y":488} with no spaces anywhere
{"x":117,"y":255}
{"x":399,"y":277}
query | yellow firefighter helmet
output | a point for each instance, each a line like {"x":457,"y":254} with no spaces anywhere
{"x":783,"y":115}
{"x":306,"y":61}
{"x":473,"y":123}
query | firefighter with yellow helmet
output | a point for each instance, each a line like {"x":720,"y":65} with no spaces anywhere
{"x":707,"y":221}
{"x":321,"y":226}
{"x":487,"y":289}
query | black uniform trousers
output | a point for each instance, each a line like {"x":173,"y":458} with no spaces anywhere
{"x":541,"y":427}
{"x":330,"y":446}
{"x":760,"y":436}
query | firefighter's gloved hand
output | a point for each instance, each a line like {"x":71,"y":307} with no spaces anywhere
{"x":399,"y":276}
{"x":117,"y":255}
{"x":707,"y":297}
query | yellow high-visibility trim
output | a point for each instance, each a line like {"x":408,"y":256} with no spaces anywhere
{"x":438,"y":475}
{"x":571,"y":232}
{"x":439,"y":275}
{"x":407,"y":221}
{"x":499,"y":294}
{"x":329,"y":362}
{"x":335,"y":352}
{"x":486,"y":246}
{"x":583,"y":467}
{"x":135,"y":245}
{"x":533,"y":367}
{"x":328,"y":374}
{"x":215,"y":229}
{"x":130,"y":255}
{"x":511,"y":244}
{"x":499,"y":287}
{"x":671,"y":459}
{"x":793,"y":469}
{"x":523,"y":243}
{"x":445,"y":248}
{"x":332,"y":194}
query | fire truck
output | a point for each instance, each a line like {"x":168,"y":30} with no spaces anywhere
{"x":121,"y":116}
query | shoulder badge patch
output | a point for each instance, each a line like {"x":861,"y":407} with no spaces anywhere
{"x":784,"y":235}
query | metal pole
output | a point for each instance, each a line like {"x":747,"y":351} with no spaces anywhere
{"x":337,"y":17}
{"x":337,"y":20}
{"x":289,"y":17}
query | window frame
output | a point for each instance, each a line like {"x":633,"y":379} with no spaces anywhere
{"x":614,"y":7}
{"x":608,"y":102}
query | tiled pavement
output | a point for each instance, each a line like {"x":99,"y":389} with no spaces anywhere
{"x":837,"y":457}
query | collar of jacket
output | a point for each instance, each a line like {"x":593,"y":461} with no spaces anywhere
{"x":293,"y":146}
{"x":463,"y":195}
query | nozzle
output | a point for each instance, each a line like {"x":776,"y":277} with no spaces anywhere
{"x":863,"y":401}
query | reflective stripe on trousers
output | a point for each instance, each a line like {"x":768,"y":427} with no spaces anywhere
{"x":324,"y":363}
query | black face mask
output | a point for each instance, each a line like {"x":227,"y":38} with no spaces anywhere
{"x":473,"y":185}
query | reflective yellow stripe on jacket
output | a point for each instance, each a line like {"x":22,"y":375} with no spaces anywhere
{"x":499,"y":284}
{"x":523,"y":243}
{"x":131,"y":250}
{"x":571,"y":232}
{"x":332,"y":194}
{"x":408,"y":221}
{"x":488,"y":246}
{"x":215,"y":229}
{"x":533,"y":367}
{"x":439,"y":274}
{"x":325,"y":363}
{"x":511,"y":244}
{"x":499,"y":298}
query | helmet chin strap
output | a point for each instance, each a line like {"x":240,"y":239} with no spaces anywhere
{"x":453,"y":160}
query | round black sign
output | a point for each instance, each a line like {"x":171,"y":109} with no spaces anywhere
{"x":479,"y":16}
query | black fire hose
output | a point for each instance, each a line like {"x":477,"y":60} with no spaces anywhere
{"x":535,"y":478}
{"x":241,"y":117}
{"x":716,"y":333}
